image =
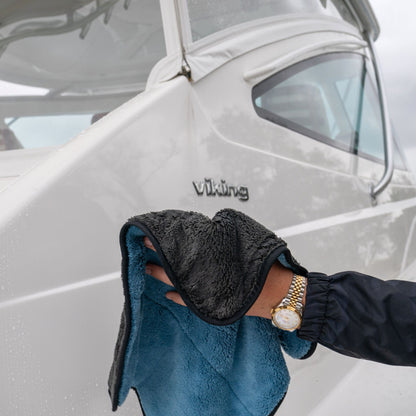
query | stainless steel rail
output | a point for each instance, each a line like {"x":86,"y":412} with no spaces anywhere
{"x":388,"y":136}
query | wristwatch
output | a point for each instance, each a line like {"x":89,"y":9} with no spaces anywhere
{"x":287,"y":315}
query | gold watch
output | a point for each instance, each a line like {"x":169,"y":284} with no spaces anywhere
{"x":287,"y":315}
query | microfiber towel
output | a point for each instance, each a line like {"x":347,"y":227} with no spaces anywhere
{"x":224,"y":363}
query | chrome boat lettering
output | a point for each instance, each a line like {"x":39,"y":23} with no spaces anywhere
{"x":211,"y":188}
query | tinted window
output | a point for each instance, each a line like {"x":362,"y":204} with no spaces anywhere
{"x":331,"y":98}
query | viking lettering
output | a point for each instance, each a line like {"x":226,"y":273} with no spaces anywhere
{"x":199,"y":187}
{"x":211,"y":188}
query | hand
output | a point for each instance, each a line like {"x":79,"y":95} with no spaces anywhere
{"x":274,"y":290}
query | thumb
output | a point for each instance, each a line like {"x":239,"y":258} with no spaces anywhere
{"x":175,"y":297}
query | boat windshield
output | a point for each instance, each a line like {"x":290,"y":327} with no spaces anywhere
{"x":64,"y":64}
{"x":210,"y":16}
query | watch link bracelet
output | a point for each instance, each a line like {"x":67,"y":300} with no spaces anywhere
{"x":287,"y":315}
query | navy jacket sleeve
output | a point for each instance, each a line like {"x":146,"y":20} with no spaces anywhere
{"x":362,"y":316}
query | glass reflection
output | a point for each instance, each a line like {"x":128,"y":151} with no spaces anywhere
{"x":64,"y":62}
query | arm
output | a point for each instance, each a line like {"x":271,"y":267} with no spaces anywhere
{"x":349,"y":312}
{"x":362,"y":316}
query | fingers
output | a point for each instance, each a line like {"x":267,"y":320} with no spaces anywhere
{"x":147,"y":243}
{"x":158,"y":273}
{"x":175,"y":297}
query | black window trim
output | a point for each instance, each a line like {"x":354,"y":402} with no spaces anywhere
{"x":270,"y":82}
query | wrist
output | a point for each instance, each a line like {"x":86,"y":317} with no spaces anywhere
{"x":274,"y":290}
{"x":283,"y":278}
{"x":287,"y":311}
{"x":287,"y":315}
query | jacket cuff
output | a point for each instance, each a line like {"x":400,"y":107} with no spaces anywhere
{"x":315,"y":307}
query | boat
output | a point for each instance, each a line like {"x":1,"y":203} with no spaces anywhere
{"x":113,"y":108}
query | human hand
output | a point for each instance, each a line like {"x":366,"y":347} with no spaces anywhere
{"x":274,"y":290}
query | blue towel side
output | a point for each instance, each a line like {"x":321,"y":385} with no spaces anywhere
{"x":181,"y":365}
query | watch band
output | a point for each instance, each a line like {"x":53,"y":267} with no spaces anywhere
{"x":296,"y":291}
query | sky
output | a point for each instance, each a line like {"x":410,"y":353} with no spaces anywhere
{"x":396,"y":48}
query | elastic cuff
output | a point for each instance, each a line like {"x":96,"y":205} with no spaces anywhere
{"x":310,"y":352}
{"x":315,"y":307}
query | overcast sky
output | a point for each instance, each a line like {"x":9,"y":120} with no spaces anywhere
{"x":396,"y":48}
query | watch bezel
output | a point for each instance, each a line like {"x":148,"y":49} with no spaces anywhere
{"x":279,"y":308}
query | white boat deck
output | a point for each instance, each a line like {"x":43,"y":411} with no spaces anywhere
{"x":370,"y":387}
{"x":14,"y":163}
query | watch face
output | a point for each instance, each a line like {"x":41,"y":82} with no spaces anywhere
{"x":286,"y":319}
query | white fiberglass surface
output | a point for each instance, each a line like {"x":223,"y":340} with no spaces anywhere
{"x":210,"y":16}
{"x":65,"y":64}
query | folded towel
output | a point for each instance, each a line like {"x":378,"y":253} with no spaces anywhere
{"x":224,"y":363}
